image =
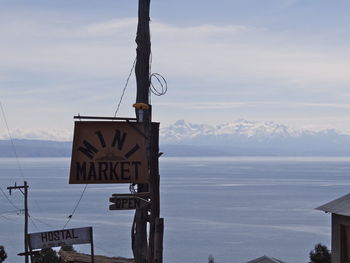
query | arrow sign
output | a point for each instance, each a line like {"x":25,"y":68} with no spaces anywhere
{"x":32,"y":253}
{"x":127,"y":202}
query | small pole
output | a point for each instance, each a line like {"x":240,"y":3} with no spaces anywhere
{"x":92,"y":246}
{"x":26,"y":215}
{"x":158,"y":240}
{"x":30,"y":249}
{"x":154,"y":188}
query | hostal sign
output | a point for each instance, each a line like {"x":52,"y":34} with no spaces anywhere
{"x":63,"y":237}
{"x":108,"y":152}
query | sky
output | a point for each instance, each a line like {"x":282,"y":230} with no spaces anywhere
{"x":285,"y":61}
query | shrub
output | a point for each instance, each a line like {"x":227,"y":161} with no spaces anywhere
{"x":3,"y":254}
{"x":320,"y":254}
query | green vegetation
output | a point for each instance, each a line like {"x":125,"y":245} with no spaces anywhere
{"x":320,"y":254}
{"x":3,"y":254}
{"x":68,"y":248}
{"x":46,"y":255}
{"x":211,"y":259}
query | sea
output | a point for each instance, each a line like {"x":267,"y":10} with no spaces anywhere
{"x":233,"y":208}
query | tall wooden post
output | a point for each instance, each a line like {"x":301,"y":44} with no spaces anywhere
{"x":143,"y":51}
{"x":26,"y":215}
{"x":143,"y":252}
{"x":158,"y":240}
{"x":154,"y":189}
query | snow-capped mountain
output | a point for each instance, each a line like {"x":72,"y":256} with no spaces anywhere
{"x":239,"y":138}
{"x":182,"y":131}
{"x":254,"y":138}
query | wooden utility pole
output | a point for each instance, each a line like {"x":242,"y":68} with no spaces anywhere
{"x":26,"y":215}
{"x":143,"y":51}
{"x":152,"y":251}
{"x":154,"y":190}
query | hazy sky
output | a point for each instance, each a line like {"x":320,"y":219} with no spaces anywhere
{"x":272,"y":60}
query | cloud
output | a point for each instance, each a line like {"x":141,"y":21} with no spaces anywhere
{"x":204,"y":105}
{"x":240,"y":52}
{"x":209,"y":105}
{"x":326,"y":105}
{"x":78,"y":64}
{"x":38,"y":134}
{"x":111,"y":28}
{"x":215,"y":52}
{"x":41,"y":45}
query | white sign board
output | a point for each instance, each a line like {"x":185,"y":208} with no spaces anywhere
{"x":59,"y":238}
{"x":124,"y":202}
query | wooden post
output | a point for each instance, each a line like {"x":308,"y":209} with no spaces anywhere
{"x":142,"y":251}
{"x":26,"y":215}
{"x":154,"y":188}
{"x":158,"y":240}
{"x":92,"y":246}
{"x":30,"y":249}
{"x":143,"y":51}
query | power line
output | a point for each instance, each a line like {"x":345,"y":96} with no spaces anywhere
{"x":16,"y":155}
{"x":12,"y":143}
{"x":125,"y":86}
{"x":9,"y":212}
{"x":8,"y":199}
{"x":161,"y":82}
{"x":103,"y":249}
{"x":33,"y":223}
{"x":40,"y":221}
{"x":76,"y":206}
{"x":4,"y":217}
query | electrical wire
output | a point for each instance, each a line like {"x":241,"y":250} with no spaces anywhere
{"x":40,"y":221}
{"x":21,"y":171}
{"x":33,"y":223}
{"x":17,"y":159}
{"x":9,"y":212}
{"x":162,"y":83}
{"x":8,"y":199}
{"x":125,"y":86}
{"x":18,"y":212}
{"x":160,"y":79}
{"x":103,"y":249}
{"x":4,"y":217}
{"x":12,"y":143}
{"x":75,"y":208}
{"x":150,"y":73}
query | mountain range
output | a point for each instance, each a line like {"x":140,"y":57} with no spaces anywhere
{"x":239,"y":138}
{"x":252,"y":138}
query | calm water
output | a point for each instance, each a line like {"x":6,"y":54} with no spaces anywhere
{"x":234,"y":208}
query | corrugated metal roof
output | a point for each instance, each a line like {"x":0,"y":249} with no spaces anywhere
{"x":266,"y":259}
{"x":75,"y":257}
{"x":340,"y":206}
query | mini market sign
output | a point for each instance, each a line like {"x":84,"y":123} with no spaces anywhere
{"x":108,"y":152}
